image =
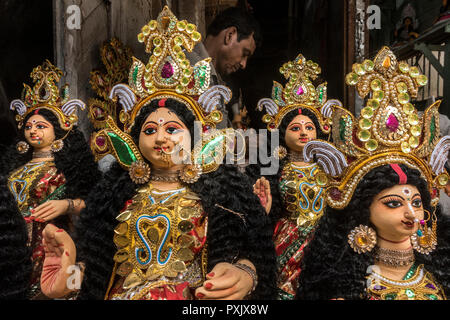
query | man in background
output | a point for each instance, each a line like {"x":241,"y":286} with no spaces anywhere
{"x":231,"y":39}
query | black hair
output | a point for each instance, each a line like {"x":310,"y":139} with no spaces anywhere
{"x":245,"y":23}
{"x":15,"y":255}
{"x":228,"y":237}
{"x":330,"y":267}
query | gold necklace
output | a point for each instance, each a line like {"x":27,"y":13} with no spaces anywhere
{"x":394,"y":258}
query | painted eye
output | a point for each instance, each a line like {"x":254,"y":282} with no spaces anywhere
{"x":295,"y":129}
{"x":149,"y":131}
{"x":40,"y":126}
{"x":417,"y":203}
{"x":393,"y":204}
{"x":310,"y":128}
{"x":173,"y":130}
{"x":27,"y":127}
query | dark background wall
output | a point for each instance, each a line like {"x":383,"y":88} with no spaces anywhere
{"x":26,"y":40}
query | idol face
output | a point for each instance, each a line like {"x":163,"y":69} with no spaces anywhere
{"x":299,"y":132}
{"x":395,"y":211}
{"x":39,"y":133}
{"x":162,"y":135}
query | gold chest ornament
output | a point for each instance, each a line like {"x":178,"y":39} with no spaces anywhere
{"x":302,"y":192}
{"x":153,"y":237}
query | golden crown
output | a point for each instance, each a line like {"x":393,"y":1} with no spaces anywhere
{"x":169,"y":74}
{"x":388,"y":130}
{"x":46,"y":95}
{"x":299,"y":92}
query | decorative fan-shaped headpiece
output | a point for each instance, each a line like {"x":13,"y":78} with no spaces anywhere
{"x":46,"y":95}
{"x":388,"y":130}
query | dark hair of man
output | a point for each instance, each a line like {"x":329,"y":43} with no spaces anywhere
{"x":244,"y":22}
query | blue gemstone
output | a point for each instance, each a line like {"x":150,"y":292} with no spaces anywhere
{"x":419,"y":233}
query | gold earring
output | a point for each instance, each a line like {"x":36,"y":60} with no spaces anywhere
{"x":362,"y":239}
{"x":280,"y":152}
{"x":57,"y":146}
{"x":424,"y":240}
{"x":139,"y":172}
{"x":22,"y":147}
{"x":190,"y":173}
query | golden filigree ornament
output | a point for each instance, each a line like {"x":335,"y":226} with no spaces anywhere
{"x":280,"y":152}
{"x":299,"y":92}
{"x":57,"y":145}
{"x":22,"y":147}
{"x":46,"y":95}
{"x":116,"y":59}
{"x":424,"y":240}
{"x":388,"y":130}
{"x":139,"y":172}
{"x":190,"y":173}
{"x":167,"y":75}
{"x":362,"y":239}
{"x":154,"y":239}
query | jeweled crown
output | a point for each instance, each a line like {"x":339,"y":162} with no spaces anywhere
{"x":169,"y":74}
{"x":45,"y":94}
{"x":299,"y":92}
{"x":389,"y":129}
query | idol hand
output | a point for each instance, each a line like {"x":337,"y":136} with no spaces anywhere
{"x":60,"y":255}
{"x":262,"y":189}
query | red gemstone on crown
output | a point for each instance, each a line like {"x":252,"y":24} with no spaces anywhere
{"x":100,"y":141}
{"x":392,"y":123}
{"x":300,"y":91}
{"x":167,"y":70}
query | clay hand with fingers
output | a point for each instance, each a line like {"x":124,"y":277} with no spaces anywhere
{"x":49,"y":210}
{"x":262,"y":189}
{"x":225,"y":282}
{"x":60,"y":254}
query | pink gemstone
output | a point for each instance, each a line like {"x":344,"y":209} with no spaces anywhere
{"x":335,"y":194}
{"x":300,"y":91}
{"x":100,"y":141}
{"x":392,"y":123}
{"x":167,"y":70}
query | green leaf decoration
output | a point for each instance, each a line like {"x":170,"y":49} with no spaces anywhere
{"x":277,"y":94}
{"x":211,"y":151}
{"x":122,"y":148}
{"x":432,"y":129}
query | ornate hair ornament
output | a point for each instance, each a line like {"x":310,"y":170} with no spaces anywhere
{"x":299,"y":92}
{"x":46,"y":95}
{"x":116,"y":59}
{"x":388,"y":130}
{"x":167,"y":74}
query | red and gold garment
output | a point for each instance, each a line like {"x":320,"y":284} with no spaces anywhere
{"x":161,"y":242}
{"x":302,"y":197}
{"x":33,"y":184}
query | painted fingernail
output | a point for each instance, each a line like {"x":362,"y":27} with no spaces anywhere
{"x":59,"y":230}
{"x":200,"y":295}
{"x":211,"y":274}
{"x":208,"y":286}
{"x":67,"y":253}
